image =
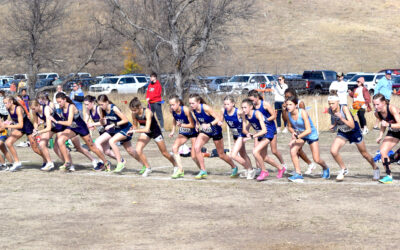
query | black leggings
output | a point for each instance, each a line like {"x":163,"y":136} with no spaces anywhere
{"x":361,"y":117}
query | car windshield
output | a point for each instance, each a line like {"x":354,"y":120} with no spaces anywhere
{"x":109,"y":81}
{"x":367,"y":78}
{"x":239,"y":79}
{"x":42,"y":77}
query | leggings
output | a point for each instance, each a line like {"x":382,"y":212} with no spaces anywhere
{"x":361,"y":117}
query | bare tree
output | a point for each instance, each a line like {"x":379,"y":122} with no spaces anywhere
{"x":32,"y":24}
{"x":183,"y":31}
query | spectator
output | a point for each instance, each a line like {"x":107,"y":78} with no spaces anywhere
{"x":13,"y":88}
{"x":3,"y":109}
{"x":384,"y":87}
{"x":153,"y":97}
{"x":59,"y":90}
{"x":279,"y":92}
{"x":361,"y":102}
{"x":77,"y":96}
{"x":25,"y":98}
{"x":21,"y":85}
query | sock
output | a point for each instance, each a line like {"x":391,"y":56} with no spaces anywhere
{"x":178,"y":160}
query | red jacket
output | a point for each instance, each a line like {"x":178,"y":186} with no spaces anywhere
{"x":154,"y":92}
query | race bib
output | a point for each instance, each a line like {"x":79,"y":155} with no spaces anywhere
{"x":235,"y":132}
{"x":344,"y":128}
{"x":207,"y":130}
{"x":184,"y":130}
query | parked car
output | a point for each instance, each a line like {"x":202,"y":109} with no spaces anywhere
{"x":79,"y":75}
{"x":119,"y":84}
{"x":104,"y":75}
{"x":396,"y":84}
{"x":52,"y":76}
{"x":242,"y":84}
{"x":5,"y":80}
{"x":394,"y":71}
{"x":349,"y":75}
{"x":85,"y":84}
{"x":313,"y":82}
{"x":213,"y":82}
{"x":20,"y":76}
{"x":370,"y":81}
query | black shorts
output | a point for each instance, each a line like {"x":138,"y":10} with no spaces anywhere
{"x":193,"y":135}
{"x":156,"y":135}
{"x":393,"y":134}
{"x":216,"y":137}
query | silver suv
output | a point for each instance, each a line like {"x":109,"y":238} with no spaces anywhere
{"x":242,"y":84}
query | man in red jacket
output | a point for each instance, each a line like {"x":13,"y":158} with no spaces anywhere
{"x":153,"y":97}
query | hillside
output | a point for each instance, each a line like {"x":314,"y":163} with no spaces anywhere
{"x":281,"y":36}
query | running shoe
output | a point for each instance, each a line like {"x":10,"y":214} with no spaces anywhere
{"x":107,"y":166}
{"x":281,"y":172}
{"x":23,"y":144}
{"x":234,"y":173}
{"x":65,"y":166}
{"x":386,"y":180}
{"x":175,"y":170}
{"x":263,"y":175}
{"x":243,"y":174}
{"x":142,"y":170}
{"x":377,"y":174}
{"x":43,"y":164}
{"x":178,"y":174}
{"x":296,"y":178}
{"x":258,"y":171}
{"x":3,"y":167}
{"x":72,"y":168}
{"x":341,"y":174}
{"x":146,"y":172}
{"x":293,"y":172}
{"x":201,"y":175}
{"x":310,"y":168}
{"x":326,"y":174}
{"x":285,"y":131}
{"x":365,"y":131}
{"x":15,"y":167}
{"x":251,"y":174}
{"x":120,"y":167}
{"x":94,"y":163}
{"x":49,"y":166}
{"x":99,"y":166}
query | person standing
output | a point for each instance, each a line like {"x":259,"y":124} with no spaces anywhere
{"x":59,"y":90}
{"x":77,"y":96}
{"x":153,"y":97}
{"x":339,"y":87}
{"x":361,"y":102}
{"x":384,"y":87}
{"x":279,"y":93}
{"x":3,"y":109}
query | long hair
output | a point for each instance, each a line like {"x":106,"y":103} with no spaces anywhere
{"x":43,"y":96}
{"x":135,"y":103}
{"x":292,"y":91}
{"x":89,"y":98}
{"x":380,"y":97}
{"x":198,"y":98}
{"x":292,"y":99}
{"x":177,"y":99}
{"x":104,"y":98}
{"x":255,"y":93}
{"x":15,"y":102}
{"x":249,"y":102}
{"x":64,"y":97}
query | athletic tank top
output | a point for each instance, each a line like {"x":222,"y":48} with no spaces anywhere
{"x":53,"y":113}
{"x":154,"y":127}
{"x":182,"y":118}
{"x":389,"y":118}
{"x":27,"y":124}
{"x":95,"y":117}
{"x":202,"y":117}
{"x":77,"y":121}
{"x":340,"y":124}
{"x":270,"y":124}
{"x":254,"y":122}
{"x":299,"y":126}
{"x":234,"y":122}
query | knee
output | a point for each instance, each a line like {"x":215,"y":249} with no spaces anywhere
{"x":112,"y":142}
{"x":9,"y":143}
{"x":334,"y":152}
{"x":197,"y":149}
{"x":256,"y":153}
{"x":42,"y":144}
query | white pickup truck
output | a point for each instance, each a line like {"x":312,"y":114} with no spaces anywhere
{"x":123,"y":84}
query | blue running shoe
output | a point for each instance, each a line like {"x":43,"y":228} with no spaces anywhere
{"x":326,"y":174}
{"x":386,"y":180}
{"x":234,"y":173}
{"x":296,"y":178}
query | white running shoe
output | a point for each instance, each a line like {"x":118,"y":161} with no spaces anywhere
{"x":49,"y":166}
{"x":175,"y":170}
{"x":377,"y":174}
{"x":243,"y":174}
{"x":251,"y":174}
{"x":278,"y":130}
{"x":310,"y":168}
{"x":94,"y":163}
{"x":146,"y":172}
{"x":365,"y":131}
{"x":72,"y":168}
{"x":341,"y":174}
{"x":15,"y":166}
{"x":23,"y":144}
{"x":285,"y":130}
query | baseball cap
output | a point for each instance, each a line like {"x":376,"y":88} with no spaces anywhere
{"x":388,"y":72}
{"x":339,"y":74}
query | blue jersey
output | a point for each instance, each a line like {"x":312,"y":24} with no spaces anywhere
{"x":113,"y":118}
{"x":182,"y":118}
{"x":202,"y":117}
{"x":299,"y":126}
{"x":54,"y":127}
{"x":235,"y":123}
{"x":271,"y":127}
{"x":78,"y":125}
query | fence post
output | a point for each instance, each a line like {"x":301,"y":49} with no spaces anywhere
{"x":316,"y":114}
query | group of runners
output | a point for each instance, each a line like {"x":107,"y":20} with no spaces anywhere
{"x":197,"y":123}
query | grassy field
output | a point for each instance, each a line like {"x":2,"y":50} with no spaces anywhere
{"x":90,"y":210}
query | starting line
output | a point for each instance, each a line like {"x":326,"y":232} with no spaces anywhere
{"x":282,"y":181}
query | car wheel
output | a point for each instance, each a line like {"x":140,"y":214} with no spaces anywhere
{"x":317,"y":91}
{"x":114,"y":91}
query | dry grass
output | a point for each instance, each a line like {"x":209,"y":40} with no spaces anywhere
{"x":316,"y":106}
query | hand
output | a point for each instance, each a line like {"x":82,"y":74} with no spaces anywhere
{"x":7,"y":122}
{"x":108,"y":127}
{"x":91,"y":125}
{"x":219,"y":123}
{"x":35,"y":132}
{"x":103,"y":121}
{"x":379,"y":140}
{"x":294,"y":136}
{"x":385,"y":124}
{"x":338,"y":115}
{"x":147,"y":99}
{"x":178,"y":124}
{"x":172,"y":134}
{"x":332,"y":127}
{"x":205,"y":125}
{"x":53,"y":120}
{"x":131,"y":131}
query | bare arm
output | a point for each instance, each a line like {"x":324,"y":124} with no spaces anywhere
{"x":270,"y":110}
{"x":307,"y":125}
{"x":146,"y":128}
{"x":260,"y":117}
{"x":71,"y":111}
{"x":20,"y":123}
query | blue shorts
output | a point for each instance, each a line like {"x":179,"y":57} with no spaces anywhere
{"x":309,"y":141}
{"x":123,"y":131}
{"x":354,"y":136}
{"x":3,"y":138}
{"x":82,"y":131}
{"x":215,"y":137}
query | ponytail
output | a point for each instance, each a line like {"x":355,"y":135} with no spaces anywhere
{"x":255,"y":93}
{"x":198,"y":98}
{"x":63,"y":96}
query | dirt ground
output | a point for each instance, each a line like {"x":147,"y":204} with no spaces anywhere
{"x":91,"y":210}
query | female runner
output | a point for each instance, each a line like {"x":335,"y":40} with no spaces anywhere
{"x":184,"y":120}
{"x":209,"y":128}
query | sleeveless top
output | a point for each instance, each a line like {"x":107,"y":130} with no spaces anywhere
{"x":96,"y":118}
{"x":112,"y":117}
{"x":340,"y":124}
{"x":299,"y":126}
{"x":254,"y":122}
{"x":154,"y":127}
{"x":54,"y":114}
{"x":202,"y":117}
{"x":182,"y":118}
{"x":389,"y":118}
{"x":270,"y":124}
{"x":77,"y":121}
{"x":27,"y":124}
{"x":234,"y":122}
